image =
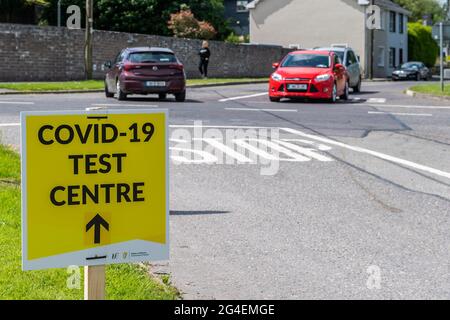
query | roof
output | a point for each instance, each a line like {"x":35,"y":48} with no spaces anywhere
{"x":335,"y":49}
{"x":151,"y":49}
{"x":387,"y":4}
{"x":326,"y":52}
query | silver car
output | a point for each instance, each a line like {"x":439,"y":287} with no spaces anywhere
{"x":351,"y":61}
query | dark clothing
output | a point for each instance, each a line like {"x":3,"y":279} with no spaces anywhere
{"x":204,"y":54}
{"x":203,"y":67}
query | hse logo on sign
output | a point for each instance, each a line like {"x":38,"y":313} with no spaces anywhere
{"x":94,"y":187}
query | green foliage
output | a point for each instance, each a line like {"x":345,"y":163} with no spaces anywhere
{"x":419,"y":8}
{"x":237,"y":39}
{"x":144,"y":16}
{"x":421,"y":45}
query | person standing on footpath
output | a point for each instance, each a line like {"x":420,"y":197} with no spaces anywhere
{"x":204,"y":54}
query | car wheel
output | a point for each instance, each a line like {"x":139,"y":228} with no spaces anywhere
{"x":107,"y":93}
{"x":180,"y":97}
{"x":162,"y":96}
{"x":120,"y":94}
{"x":418,"y":77}
{"x":357,"y":88}
{"x":346,"y":92}
{"x":274,"y":99}
{"x":333,"y":97}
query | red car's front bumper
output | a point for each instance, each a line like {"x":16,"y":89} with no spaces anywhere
{"x":315,"y":90}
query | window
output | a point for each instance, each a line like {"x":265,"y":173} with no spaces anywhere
{"x":152,"y":57}
{"x":392,"y":21}
{"x":351,"y":59}
{"x":401,"y":27}
{"x":337,"y":60}
{"x":381,"y":56}
{"x":400,"y":56}
{"x":392,"y":57}
{"x":307,"y":61}
{"x":241,"y":6}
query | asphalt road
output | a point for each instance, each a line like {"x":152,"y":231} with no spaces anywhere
{"x":341,"y":201}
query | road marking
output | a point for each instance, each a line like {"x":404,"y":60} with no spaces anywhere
{"x":226,"y":149}
{"x":123,"y":105}
{"x":402,"y":114}
{"x":16,"y":102}
{"x":268,"y":110}
{"x":376,"y":100}
{"x":372,"y":153}
{"x":410,"y":107}
{"x":244,"y":97}
{"x":9,"y":124}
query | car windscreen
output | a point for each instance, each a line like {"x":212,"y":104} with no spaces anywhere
{"x":152,"y":57}
{"x":307,"y":61}
{"x":410,"y":65}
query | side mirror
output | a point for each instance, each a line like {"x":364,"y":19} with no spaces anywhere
{"x":275,"y":65}
{"x":338,"y":66}
{"x":108,"y":64}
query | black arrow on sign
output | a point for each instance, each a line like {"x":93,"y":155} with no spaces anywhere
{"x":97,"y":222}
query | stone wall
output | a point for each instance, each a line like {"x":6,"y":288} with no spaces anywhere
{"x":32,"y":53}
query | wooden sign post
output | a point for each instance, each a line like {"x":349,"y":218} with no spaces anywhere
{"x":94,"y":283}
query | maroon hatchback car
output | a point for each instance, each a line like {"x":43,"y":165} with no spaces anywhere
{"x":145,"y":71}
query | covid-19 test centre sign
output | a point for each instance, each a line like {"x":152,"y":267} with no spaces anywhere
{"x":94,"y":187}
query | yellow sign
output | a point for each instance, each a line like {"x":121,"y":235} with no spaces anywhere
{"x":94,"y":187}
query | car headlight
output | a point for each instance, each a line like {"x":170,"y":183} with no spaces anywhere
{"x":277,"y":76}
{"x":323,"y":77}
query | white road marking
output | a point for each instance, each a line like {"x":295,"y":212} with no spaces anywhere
{"x":9,"y":124}
{"x":123,"y":105}
{"x":268,"y":110}
{"x":376,"y":100}
{"x":372,"y":153}
{"x":246,"y":143}
{"x":409,"y":107}
{"x":244,"y":97}
{"x":226,"y":149}
{"x":402,"y":114}
{"x":16,"y":102}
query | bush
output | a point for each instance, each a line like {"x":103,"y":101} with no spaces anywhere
{"x":184,"y":25}
{"x":421,"y":45}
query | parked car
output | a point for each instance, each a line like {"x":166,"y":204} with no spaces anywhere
{"x":145,"y":71}
{"x":309,"y":74}
{"x":413,"y":70}
{"x":351,"y":61}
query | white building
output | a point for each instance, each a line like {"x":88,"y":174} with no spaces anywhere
{"x":318,"y":23}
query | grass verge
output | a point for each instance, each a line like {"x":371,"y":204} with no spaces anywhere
{"x":98,"y":84}
{"x":434,"y":89}
{"x":124,"y":282}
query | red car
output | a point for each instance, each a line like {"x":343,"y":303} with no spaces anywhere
{"x":309,"y":74}
{"x":145,"y":71}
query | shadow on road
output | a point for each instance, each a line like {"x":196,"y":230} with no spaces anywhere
{"x":155,"y":99}
{"x":195,"y":213}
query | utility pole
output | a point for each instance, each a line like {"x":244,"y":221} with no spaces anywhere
{"x":88,"y":39}
{"x":372,"y":49}
{"x":59,"y":13}
{"x":441,"y":54}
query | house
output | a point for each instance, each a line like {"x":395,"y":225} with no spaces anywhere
{"x":316,"y":23}
{"x":237,"y":14}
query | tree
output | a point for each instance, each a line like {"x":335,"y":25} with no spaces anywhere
{"x":421,"y":45}
{"x":419,"y":8}
{"x":184,"y":25}
{"x":19,"y":11}
{"x":144,"y":16}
